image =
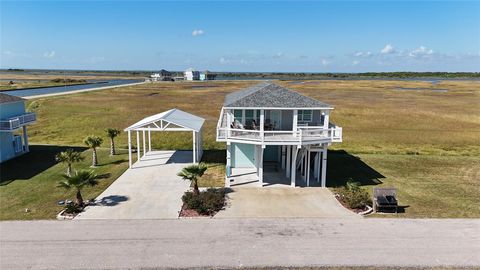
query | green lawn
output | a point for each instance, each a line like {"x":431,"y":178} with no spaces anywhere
{"x":424,"y":143}
{"x":30,"y":181}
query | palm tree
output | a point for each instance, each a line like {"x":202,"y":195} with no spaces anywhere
{"x":93,"y":142}
{"x":78,"y":181}
{"x":69,"y":156}
{"x":112,"y":133}
{"x":192,"y":173}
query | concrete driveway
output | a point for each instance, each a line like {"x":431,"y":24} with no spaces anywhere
{"x":283,"y":203}
{"x":150,"y":190}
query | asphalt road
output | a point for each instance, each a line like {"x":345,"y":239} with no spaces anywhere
{"x":105,"y":244}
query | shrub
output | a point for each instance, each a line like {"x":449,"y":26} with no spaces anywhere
{"x":206,"y":202}
{"x":72,"y":208}
{"x":354,"y":196}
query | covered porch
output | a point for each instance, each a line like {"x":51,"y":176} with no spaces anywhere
{"x":171,"y":120}
{"x":276,"y":166}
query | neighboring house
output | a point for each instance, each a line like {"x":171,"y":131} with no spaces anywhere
{"x":269,"y":125}
{"x":191,"y":75}
{"x":163,"y":75}
{"x":13,"y":119}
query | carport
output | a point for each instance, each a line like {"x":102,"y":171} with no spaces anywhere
{"x":171,"y":120}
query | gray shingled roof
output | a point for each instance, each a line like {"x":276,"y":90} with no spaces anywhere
{"x":270,"y":95}
{"x":4,"y":98}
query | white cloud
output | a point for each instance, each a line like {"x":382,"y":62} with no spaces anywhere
{"x":388,"y":49}
{"x":354,"y":63}
{"x":325,"y":62}
{"x":223,"y":60}
{"x":198,"y":32}
{"x":421,"y":51}
{"x":49,"y":54}
{"x":363,"y":54}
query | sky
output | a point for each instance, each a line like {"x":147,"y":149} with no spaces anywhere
{"x":244,"y":36}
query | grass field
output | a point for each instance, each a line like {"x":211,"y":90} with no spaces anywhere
{"x":30,"y":181}
{"x":424,"y":140}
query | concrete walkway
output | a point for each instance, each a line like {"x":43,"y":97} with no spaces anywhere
{"x":150,"y":190}
{"x":235,"y":243}
{"x":280,"y":202}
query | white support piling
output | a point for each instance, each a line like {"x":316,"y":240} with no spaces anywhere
{"x":307,"y":174}
{"x":288,"y":161}
{"x":293,"y":167}
{"x":324,"y":166}
{"x":25,"y":140}
{"x":260,"y":170}
{"x":229,"y":166}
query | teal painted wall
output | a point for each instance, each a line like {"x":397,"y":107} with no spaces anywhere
{"x":9,"y":110}
{"x":243,"y":155}
{"x":270,"y":153}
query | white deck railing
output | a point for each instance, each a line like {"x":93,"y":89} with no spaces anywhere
{"x":17,"y":122}
{"x":303,"y":134}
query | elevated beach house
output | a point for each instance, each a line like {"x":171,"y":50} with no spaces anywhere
{"x":13,"y":126}
{"x":270,"y":129}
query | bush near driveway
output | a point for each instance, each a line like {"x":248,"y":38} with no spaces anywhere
{"x":206,"y":202}
{"x":354,"y":196}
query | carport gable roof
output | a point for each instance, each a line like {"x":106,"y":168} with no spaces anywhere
{"x":173,"y":116}
{"x":270,"y":95}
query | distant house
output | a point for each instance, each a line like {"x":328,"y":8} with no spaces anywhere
{"x":191,"y":75}
{"x":163,"y":75}
{"x":207,"y":76}
{"x":13,"y":127}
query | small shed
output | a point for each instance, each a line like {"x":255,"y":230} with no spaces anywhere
{"x":171,"y":120}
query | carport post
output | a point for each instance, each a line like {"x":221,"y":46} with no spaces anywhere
{"x":129,"y":149}
{"x":149,"y":140}
{"x":324,"y":166}
{"x":138,"y":146}
{"x":194,"y":147}
{"x":144,"y":142}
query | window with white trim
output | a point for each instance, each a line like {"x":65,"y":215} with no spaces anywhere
{"x":305,"y":116}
